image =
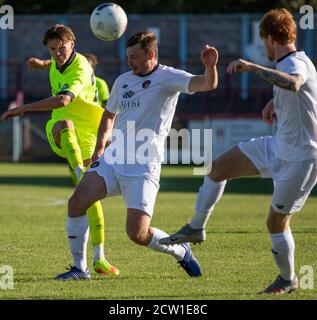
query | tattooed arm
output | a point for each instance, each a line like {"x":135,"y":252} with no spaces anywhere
{"x":276,"y":77}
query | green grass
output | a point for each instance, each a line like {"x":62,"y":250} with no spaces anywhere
{"x":236,"y":259}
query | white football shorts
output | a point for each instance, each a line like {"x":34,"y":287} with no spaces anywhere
{"x":139,"y":191}
{"x":293,"y":180}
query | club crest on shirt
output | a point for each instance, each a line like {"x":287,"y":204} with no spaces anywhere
{"x":146,"y":83}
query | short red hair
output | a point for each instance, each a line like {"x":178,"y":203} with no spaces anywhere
{"x":280,"y":25}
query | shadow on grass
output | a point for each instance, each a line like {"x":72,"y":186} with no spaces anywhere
{"x":246,"y":185}
{"x":168,"y":184}
{"x":58,"y":181}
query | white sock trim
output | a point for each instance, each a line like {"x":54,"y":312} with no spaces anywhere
{"x":283,"y":248}
{"x":77,"y":234}
{"x":210,"y":182}
{"x":209,"y":194}
{"x":99,"y":252}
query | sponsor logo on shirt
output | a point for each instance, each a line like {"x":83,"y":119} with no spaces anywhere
{"x":124,"y":86}
{"x":130,"y":104}
{"x":128,"y":94}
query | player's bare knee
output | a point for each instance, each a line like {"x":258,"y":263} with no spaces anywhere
{"x":269,"y":225}
{"x":273,"y":227}
{"x":58,"y":127}
{"x":272,"y":223}
{"x":278,"y":222}
{"x":74,"y":207}
{"x":62,"y":124}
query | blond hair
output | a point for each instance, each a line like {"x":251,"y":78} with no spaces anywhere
{"x":59,"y":31}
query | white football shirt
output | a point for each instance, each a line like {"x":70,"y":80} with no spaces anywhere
{"x":296,"y":112}
{"x":145,"y":106}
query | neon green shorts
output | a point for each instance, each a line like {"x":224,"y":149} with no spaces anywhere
{"x":86,"y":140}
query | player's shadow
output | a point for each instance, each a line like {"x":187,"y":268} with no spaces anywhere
{"x":235,"y":186}
{"x":167,"y":184}
{"x":57,"y":181}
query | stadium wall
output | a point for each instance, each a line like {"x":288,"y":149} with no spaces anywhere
{"x":181,"y":38}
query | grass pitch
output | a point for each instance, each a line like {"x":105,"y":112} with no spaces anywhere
{"x":236,"y":259}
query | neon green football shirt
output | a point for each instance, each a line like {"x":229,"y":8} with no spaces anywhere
{"x":76,"y":79}
{"x":103,"y":91}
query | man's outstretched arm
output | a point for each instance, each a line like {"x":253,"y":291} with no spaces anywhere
{"x":292,"y":82}
{"x":38,"y":64}
{"x":58,"y":101}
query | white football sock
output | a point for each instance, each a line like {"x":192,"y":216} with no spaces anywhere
{"x":209,"y":194}
{"x":176,"y":250}
{"x":77,"y":233}
{"x":98,"y":252}
{"x":283,"y":248}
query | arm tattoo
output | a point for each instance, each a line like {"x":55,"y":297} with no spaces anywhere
{"x":279,"y":78}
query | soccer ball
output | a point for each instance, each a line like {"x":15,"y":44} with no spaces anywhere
{"x":108,"y":21}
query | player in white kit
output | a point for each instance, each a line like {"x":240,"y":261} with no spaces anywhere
{"x":138,"y":116}
{"x":289,"y":158}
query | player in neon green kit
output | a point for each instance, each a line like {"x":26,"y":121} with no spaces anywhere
{"x":72,"y":129}
{"x":102,"y":87}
